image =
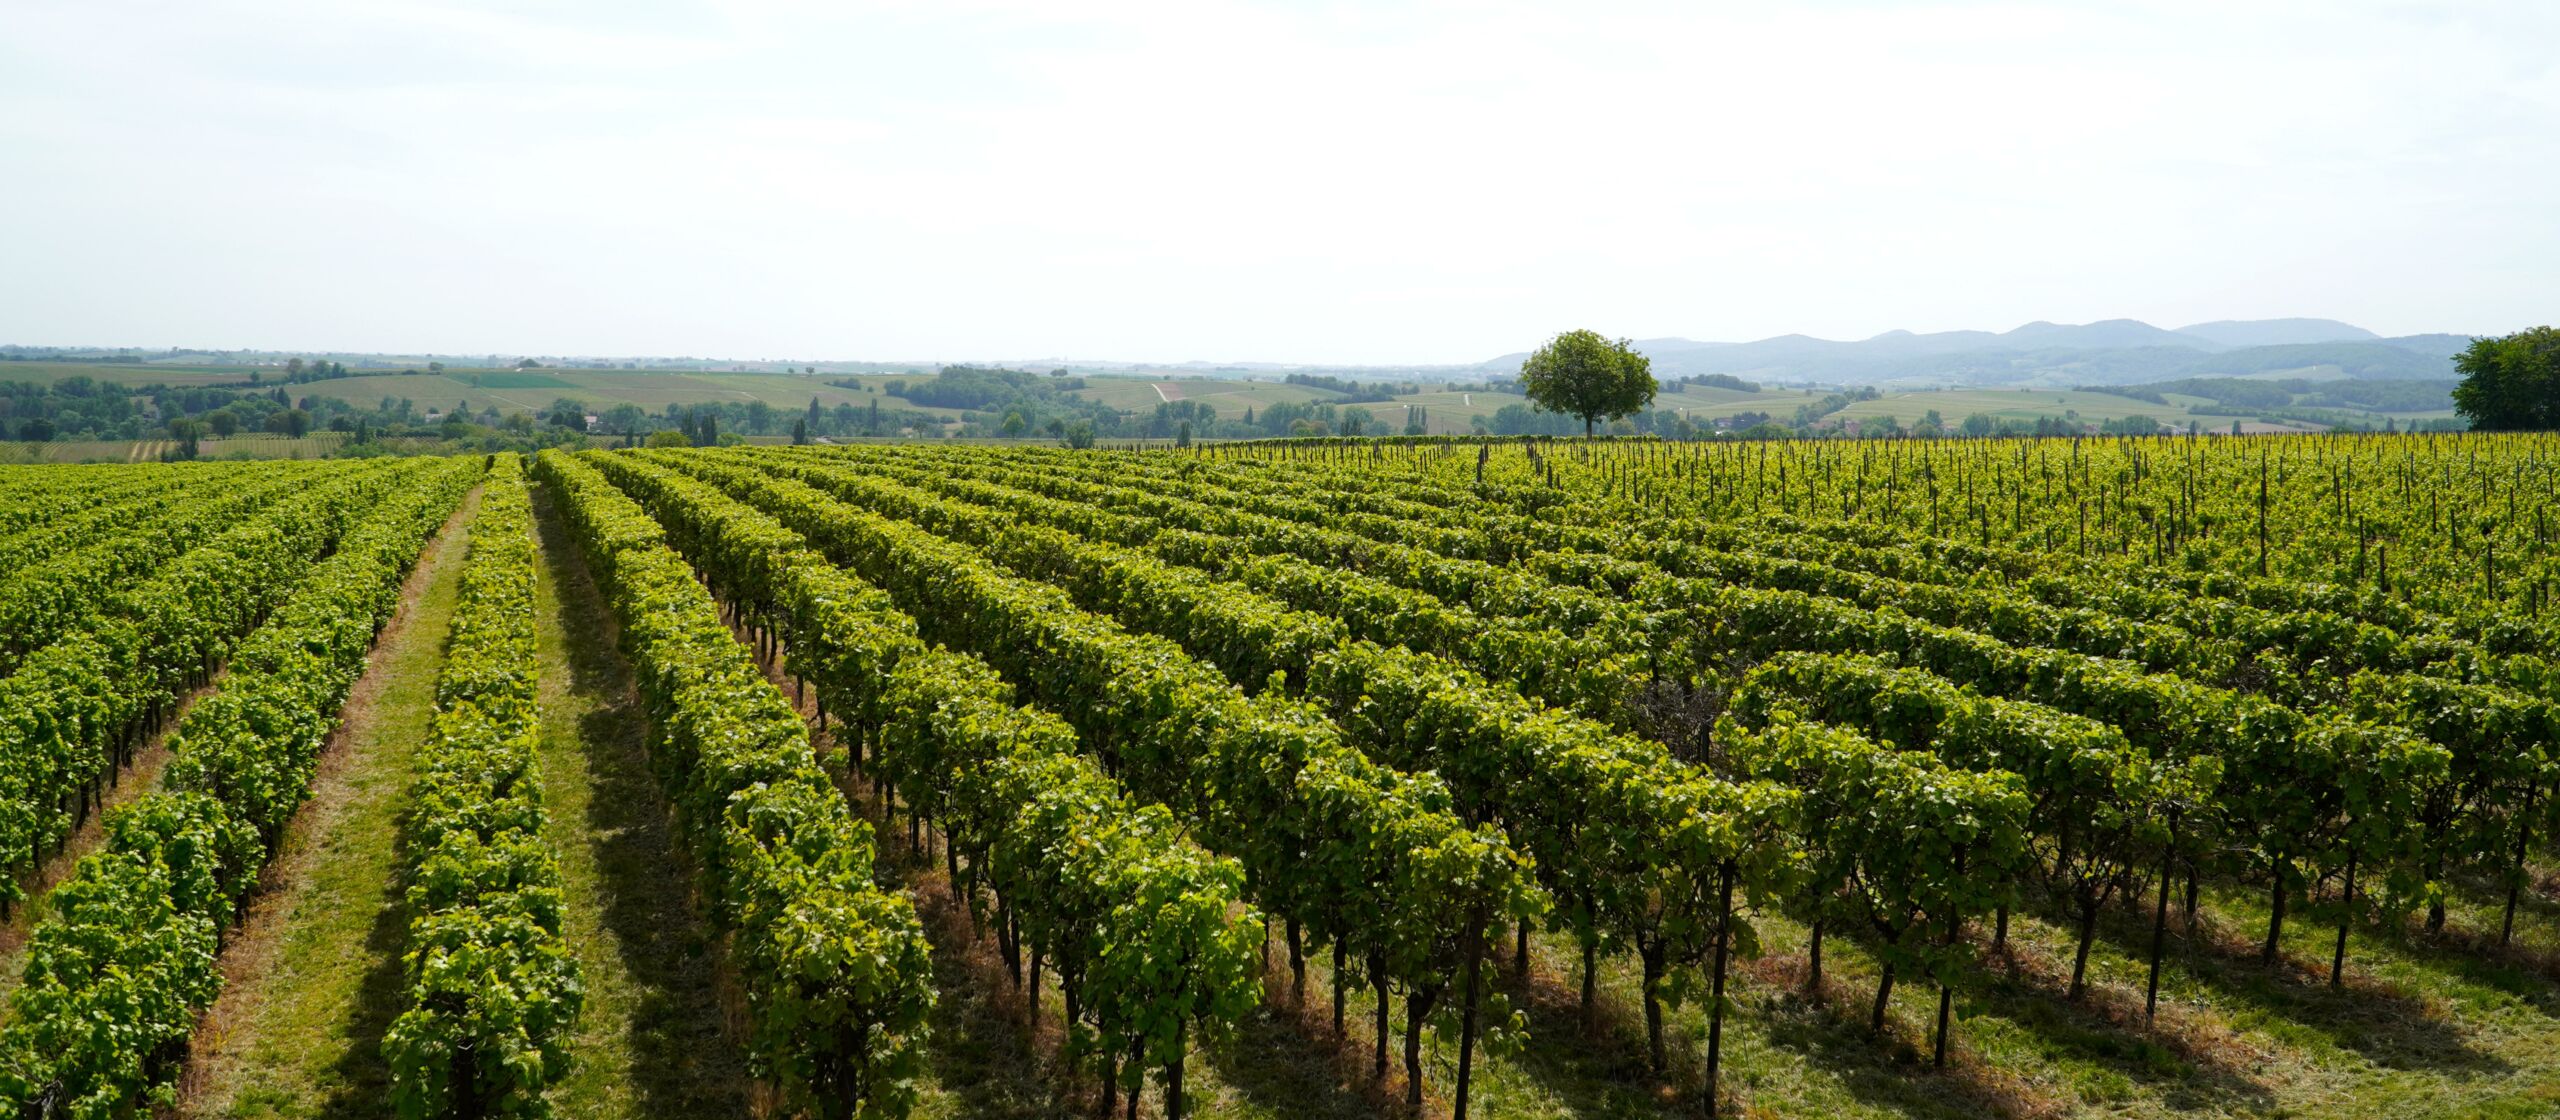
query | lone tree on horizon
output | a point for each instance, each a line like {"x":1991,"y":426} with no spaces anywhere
{"x":2511,"y":383}
{"x":1583,"y":373}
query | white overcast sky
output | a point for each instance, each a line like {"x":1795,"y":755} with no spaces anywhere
{"x":1203,"y":179}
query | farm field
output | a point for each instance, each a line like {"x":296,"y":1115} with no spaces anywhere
{"x":534,"y":390}
{"x":2153,"y":777}
{"x":1953,"y":405}
{"x":123,"y":374}
{"x":2001,"y":404}
{"x":316,"y":445}
{"x":1230,"y":397}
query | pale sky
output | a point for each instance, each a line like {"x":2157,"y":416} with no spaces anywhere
{"x":1205,"y":179}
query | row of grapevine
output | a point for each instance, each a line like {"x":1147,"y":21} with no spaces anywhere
{"x":1146,"y":932}
{"x":1606,"y":816}
{"x":68,"y":593}
{"x":117,"y":973}
{"x":1942,"y":580}
{"x":2405,"y":807}
{"x":2324,"y":642}
{"x":2465,"y":517}
{"x":1608,"y":819}
{"x":1613,"y":822}
{"x":71,"y":714}
{"x":2113,"y":809}
{"x":109,"y":511}
{"x":1561,"y":642}
{"x":836,"y":971}
{"x":491,"y":989}
{"x":1473,"y":572}
{"x":1895,"y":844}
{"x":1366,"y":857}
{"x":35,"y":496}
{"x":2497,"y":744}
{"x":1569,"y":656}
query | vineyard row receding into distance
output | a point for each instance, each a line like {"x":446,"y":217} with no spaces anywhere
{"x":1524,"y":778}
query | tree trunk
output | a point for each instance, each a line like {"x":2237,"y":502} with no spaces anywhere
{"x":1946,"y":990}
{"x":2080,"y":960}
{"x":1138,"y":1073}
{"x":1173,"y":1073}
{"x":1946,"y":998}
{"x":1378,"y":975}
{"x":1715,"y":996}
{"x":1813,"y":971}
{"x":1467,"y":1026}
{"x":1034,"y":990}
{"x":1590,"y":979}
{"x":2515,"y":886}
{"x":1652,"y":957}
{"x":1884,"y":996}
{"x":2435,"y":909}
{"x":2346,"y":920}
{"x":1008,"y":941}
{"x":1337,"y":987}
{"x":2275,"y":921}
{"x":1416,"y":1009}
{"x":1298,"y":962}
{"x":2159,"y":933}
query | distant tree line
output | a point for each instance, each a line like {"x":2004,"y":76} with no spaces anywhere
{"x":1353,"y":392}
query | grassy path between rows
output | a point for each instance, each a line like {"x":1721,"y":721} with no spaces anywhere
{"x":652,"y":1042}
{"x":312,"y":978}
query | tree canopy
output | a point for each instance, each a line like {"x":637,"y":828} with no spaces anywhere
{"x":1584,"y":374}
{"x":2512,"y":382}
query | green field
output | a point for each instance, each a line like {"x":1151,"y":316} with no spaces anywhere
{"x":48,"y":372}
{"x":533,"y":391}
{"x":1953,"y":405}
{"x":1230,"y":397}
{"x":317,"y":445}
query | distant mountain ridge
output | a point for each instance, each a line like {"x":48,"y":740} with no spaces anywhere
{"x":2237,"y":333}
{"x":2107,"y":352}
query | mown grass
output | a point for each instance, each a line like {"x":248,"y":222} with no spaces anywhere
{"x":652,"y":1041}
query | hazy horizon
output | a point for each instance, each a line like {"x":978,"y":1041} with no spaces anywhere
{"x":1235,"y":182}
{"x":281,"y":353}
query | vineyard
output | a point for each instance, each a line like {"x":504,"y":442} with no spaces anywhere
{"x":1334,"y":778}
